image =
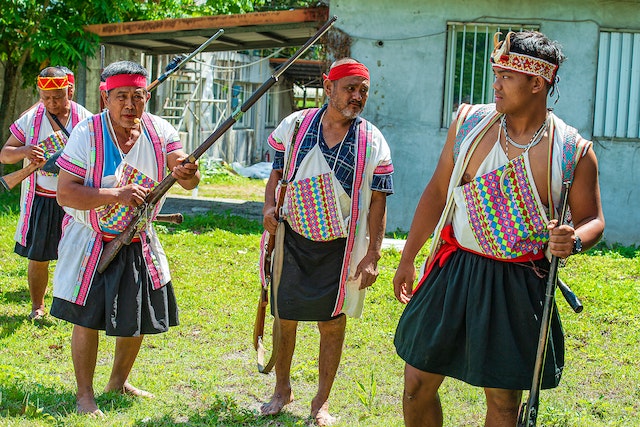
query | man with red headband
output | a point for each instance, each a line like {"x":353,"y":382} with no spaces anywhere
{"x":110,"y":164}
{"x":338,"y":168}
{"x":493,"y":208}
{"x":35,"y":136}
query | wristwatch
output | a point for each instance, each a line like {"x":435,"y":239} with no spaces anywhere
{"x":577,"y":245}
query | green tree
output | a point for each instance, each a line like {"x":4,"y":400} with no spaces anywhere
{"x":38,"y":33}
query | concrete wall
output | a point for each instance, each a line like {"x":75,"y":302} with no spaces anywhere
{"x":404,"y":46}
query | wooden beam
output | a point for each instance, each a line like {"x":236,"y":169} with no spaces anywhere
{"x":235,"y":21}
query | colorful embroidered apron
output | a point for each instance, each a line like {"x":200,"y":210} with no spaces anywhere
{"x":50,"y":145}
{"x":114,"y":217}
{"x":316,"y":205}
{"x":504,"y":216}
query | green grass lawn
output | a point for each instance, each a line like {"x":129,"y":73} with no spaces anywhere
{"x":203,"y":372}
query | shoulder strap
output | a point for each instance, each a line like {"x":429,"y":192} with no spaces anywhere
{"x":156,"y":141}
{"x":467,"y":119}
{"x":302,"y":125}
{"x":37,"y":121}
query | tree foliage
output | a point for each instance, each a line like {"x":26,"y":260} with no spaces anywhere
{"x":38,"y":33}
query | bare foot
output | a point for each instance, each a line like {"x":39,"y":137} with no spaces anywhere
{"x":37,"y":314}
{"x":321,"y":416}
{"x":130,"y":390}
{"x":277,"y":402}
{"x":87,"y":406}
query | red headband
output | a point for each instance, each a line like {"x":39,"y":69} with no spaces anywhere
{"x":70,"y":78}
{"x":52,"y":83}
{"x":120,"y":80}
{"x":103,"y":85}
{"x":346,"y":70}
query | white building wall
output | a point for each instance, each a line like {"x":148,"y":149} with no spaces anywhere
{"x":404,"y":46}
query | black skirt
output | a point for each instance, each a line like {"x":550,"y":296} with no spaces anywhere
{"x":310,"y":280}
{"x":45,"y":230}
{"x":122,"y":301}
{"x":478,"y":320}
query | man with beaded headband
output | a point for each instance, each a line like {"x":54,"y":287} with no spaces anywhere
{"x":338,"y":169}
{"x":35,"y":136}
{"x":110,"y":164}
{"x":492,"y":206}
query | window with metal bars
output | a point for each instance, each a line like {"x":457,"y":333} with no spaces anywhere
{"x":468,"y":76}
{"x":617,"y":103}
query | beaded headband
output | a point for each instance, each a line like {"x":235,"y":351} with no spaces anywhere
{"x":519,"y":62}
{"x":52,"y":83}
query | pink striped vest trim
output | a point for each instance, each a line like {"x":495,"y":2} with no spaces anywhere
{"x":31,"y":179}
{"x":364,"y":133}
{"x":94,"y":179}
{"x":307,"y":119}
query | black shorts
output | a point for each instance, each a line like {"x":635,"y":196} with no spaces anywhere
{"x":45,"y":230}
{"x":122,"y":301}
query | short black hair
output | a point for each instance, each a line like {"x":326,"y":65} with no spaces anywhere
{"x":536,"y":44}
{"x":123,"y":67}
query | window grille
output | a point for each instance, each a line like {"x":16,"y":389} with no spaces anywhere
{"x":468,"y":76}
{"x":617,"y":103}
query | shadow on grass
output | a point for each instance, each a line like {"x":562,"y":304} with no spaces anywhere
{"x":224,"y":411}
{"x":35,"y":402}
{"x":50,"y":405}
{"x":16,"y":297}
{"x":9,"y":324}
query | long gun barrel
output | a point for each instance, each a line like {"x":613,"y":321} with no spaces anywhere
{"x":183,"y":61}
{"x":111,"y":249}
{"x":529,"y":410}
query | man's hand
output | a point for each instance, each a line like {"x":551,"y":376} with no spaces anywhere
{"x":184,"y":171}
{"x":34,"y":153}
{"x":368,"y":268}
{"x":561,"y":238}
{"x":403,"y":281}
{"x":132,"y":195}
{"x":269,"y":221}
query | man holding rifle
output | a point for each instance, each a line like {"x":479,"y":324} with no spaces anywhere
{"x":37,"y":134}
{"x":492,"y":205}
{"x":110,"y":164}
{"x":335,"y":169}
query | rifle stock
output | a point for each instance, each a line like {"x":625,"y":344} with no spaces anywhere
{"x":12,"y":179}
{"x":175,"y":218}
{"x":529,"y":410}
{"x":111,"y":248}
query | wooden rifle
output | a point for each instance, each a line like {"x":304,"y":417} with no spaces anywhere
{"x":139,"y":218}
{"x":12,"y":179}
{"x":268,"y":270}
{"x":258,"y":327}
{"x":529,"y":410}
